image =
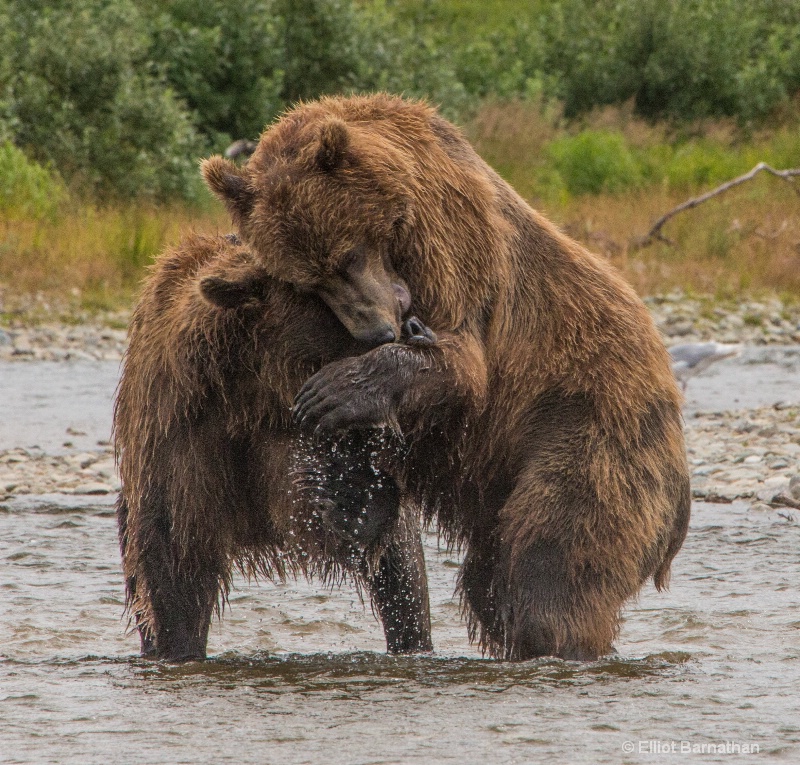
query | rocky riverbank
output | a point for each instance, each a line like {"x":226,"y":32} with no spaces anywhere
{"x":35,"y":330}
{"x":735,"y":453}
{"x":753,"y":455}
{"x":32,"y":471}
{"x":101,"y":339}
{"x":682,"y":319}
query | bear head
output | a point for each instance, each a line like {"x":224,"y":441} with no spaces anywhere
{"x":324,"y":220}
{"x":368,"y":202}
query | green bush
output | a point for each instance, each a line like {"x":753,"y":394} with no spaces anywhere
{"x":224,"y":60}
{"x":401,"y":54}
{"x":26,"y":188}
{"x":507,"y":64}
{"x":123,"y":96}
{"x":703,"y":164}
{"x":85,"y":98}
{"x":784,"y":148}
{"x":320,"y":46}
{"x":595,"y":161}
{"x":238,"y":65}
{"x":594,"y":50}
{"x":682,"y":59}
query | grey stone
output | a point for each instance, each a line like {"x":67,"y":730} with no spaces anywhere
{"x":93,"y":487}
{"x":778,"y":464}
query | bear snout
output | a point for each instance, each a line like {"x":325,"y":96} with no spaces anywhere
{"x":380,"y":335}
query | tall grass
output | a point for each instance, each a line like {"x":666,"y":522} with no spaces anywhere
{"x":605,"y":181}
{"x":609,"y":178}
{"x":91,"y":255}
{"x":27,"y":190}
{"x":746,"y":242}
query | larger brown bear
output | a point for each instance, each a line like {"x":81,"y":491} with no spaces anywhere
{"x":544,"y":427}
{"x":210,"y":459}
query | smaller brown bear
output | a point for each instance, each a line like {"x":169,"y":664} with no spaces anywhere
{"x":216,"y":476}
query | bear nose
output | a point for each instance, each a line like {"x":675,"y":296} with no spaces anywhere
{"x":380,"y":336}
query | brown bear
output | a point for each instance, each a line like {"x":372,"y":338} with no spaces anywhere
{"x":214,"y":473}
{"x":544,"y":428}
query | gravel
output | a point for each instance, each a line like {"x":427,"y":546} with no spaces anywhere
{"x":32,"y":471}
{"x":53,"y":341}
{"x":737,"y":454}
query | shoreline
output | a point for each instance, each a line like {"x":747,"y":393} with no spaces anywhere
{"x":751,"y":455}
{"x":39,"y":331}
{"x":735,"y":453}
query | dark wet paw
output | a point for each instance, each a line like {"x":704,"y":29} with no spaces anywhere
{"x":414,"y":332}
{"x":332,"y":401}
{"x":354,"y":498}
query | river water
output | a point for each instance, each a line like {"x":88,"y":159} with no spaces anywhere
{"x":298,"y":673}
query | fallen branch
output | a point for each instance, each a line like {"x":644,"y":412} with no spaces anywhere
{"x":655,"y":232}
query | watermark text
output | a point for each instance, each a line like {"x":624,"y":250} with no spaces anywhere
{"x":688,"y":746}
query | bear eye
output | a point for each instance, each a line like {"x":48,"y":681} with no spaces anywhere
{"x":399,"y":230}
{"x":350,"y":259}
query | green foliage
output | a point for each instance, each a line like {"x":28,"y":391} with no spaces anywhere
{"x":595,"y":161}
{"x":85,"y":98}
{"x":123,"y":96}
{"x":26,"y":188}
{"x":683,"y":58}
{"x":238,"y":65}
{"x":595,"y":50}
{"x":403,"y":54}
{"x":321,"y":52}
{"x":225,"y":60}
{"x":505,"y":65}
{"x":680,"y":59}
{"x":696,"y":53}
{"x":702,"y":163}
{"x":140,"y":237}
{"x":599,"y":161}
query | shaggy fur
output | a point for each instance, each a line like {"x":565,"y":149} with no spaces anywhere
{"x":544,"y":428}
{"x":208,"y":456}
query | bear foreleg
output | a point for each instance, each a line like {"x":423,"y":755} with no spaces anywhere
{"x":351,"y":511}
{"x":399,"y":588}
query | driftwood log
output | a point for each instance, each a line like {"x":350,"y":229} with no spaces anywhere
{"x":654,"y":234}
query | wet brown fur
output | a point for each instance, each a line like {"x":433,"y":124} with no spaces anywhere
{"x":545,"y":429}
{"x":207,"y":448}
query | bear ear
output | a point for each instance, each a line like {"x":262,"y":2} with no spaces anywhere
{"x":334,"y":141}
{"x":228,"y":183}
{"x":227,"y":293}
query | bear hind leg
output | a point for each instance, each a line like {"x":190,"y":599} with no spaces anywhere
{"x":528,"y":597}
{"x":550,"y":609}
{"x":172,"y":601}
{"x":146,"y":637}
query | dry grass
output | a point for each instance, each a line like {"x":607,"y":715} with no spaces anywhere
{"x":746,"y":241}
{"x":512,"y":137}
{"x":93,"y":256}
